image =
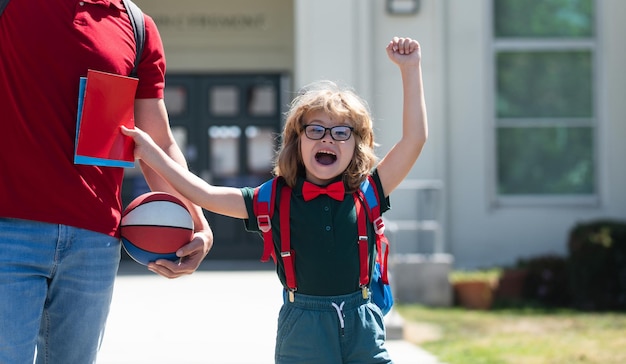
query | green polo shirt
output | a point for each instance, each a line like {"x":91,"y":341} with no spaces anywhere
{"x":324,"y":238}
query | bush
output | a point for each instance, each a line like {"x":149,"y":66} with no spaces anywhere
{"x":546,"y":280}
{"x":597,"y":265}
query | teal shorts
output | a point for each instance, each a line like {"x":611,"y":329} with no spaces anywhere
{"x":330,"y":330}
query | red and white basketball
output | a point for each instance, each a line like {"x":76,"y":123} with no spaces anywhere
{"x":154,"y":226}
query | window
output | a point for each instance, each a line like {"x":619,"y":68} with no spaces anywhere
{"x":261,"y":152}
{"x":175,"y":98}
{"x":545,"y":117}
{"x":224,"y":101}
{"x":224,"y":150}
{"x":262,"y":100}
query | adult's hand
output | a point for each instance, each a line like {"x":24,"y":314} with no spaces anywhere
{"x":191,"y":255}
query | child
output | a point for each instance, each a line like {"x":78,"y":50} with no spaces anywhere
{"x":327,"y":141}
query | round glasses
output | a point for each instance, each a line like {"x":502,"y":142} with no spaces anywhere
{"x":339,"y":133}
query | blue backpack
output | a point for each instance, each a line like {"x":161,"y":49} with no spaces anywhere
{"x":367,"y":207}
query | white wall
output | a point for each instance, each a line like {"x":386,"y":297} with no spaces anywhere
{"x":225,"y":35}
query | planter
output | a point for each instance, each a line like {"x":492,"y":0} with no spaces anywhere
{"x":474,"y":295}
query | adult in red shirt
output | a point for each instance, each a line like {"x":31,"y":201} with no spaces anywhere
{"x":59,"y":222}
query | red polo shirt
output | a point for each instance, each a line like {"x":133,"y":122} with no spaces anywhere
{"x":45,"y":47}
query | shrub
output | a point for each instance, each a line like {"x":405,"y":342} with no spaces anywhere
{"x":597,"y":265}
{"x":546,"y":280}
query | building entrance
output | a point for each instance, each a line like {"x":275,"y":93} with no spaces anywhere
{"x":228,"y":127}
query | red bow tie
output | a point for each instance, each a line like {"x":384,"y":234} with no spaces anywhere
{"x":334,"y":190}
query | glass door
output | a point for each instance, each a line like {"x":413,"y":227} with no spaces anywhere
{"x":228,"y":127}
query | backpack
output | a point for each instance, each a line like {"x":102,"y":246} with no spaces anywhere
{"x":367,"y":207}
{"x":137,"y":22}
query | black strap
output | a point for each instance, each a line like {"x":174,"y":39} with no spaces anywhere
{"x":3,"y":4}
{"x":139,"y":28}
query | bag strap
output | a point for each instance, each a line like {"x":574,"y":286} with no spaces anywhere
{"x":369,"y":195}
{"x":139,"y":29}
{"x":3,"y":4}
{"x":263,"y":206}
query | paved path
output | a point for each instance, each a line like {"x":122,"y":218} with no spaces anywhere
{"x":223,"y":315}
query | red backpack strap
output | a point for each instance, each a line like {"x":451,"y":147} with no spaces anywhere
{"x":263,"y":207}
{"x":287,"y":254}
{"x":382,"y":244}
{"x":369,"y":195}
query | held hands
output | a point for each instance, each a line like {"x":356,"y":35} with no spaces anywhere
{"x":404,"y":51}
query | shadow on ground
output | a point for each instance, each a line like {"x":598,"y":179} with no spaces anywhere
{"x":130,"y":267}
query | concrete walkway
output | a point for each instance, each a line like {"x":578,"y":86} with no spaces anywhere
{"x":224,"y":313}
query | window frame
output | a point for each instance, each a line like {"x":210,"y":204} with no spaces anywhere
{"x":496,"y":45}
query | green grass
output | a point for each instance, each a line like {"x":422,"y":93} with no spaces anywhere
{"x":517,"y":336}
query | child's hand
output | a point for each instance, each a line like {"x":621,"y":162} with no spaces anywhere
{"x":404,"y":51}
{"x":143,"y":142}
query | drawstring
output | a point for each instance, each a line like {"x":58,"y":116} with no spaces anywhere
{"x":339,"y":309}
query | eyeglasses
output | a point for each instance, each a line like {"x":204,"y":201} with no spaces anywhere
{"x":339,"y":133}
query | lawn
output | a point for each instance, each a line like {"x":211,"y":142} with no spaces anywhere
{"x":517,"y":336}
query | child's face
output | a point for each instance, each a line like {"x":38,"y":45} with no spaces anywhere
{"x":326,"y":158}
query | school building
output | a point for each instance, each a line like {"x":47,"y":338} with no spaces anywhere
{"x":525,"y":102}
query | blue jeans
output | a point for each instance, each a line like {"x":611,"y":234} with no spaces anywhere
{"x":56,"y":284}
{"x":331,"y":330}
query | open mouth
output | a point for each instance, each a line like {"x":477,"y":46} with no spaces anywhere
{"x":325,"y":157}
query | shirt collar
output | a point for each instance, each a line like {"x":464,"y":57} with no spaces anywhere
{"x":115,"y":3}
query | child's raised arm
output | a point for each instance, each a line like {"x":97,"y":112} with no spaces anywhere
{"x":395,"y":166}
{"x":222,"y":200}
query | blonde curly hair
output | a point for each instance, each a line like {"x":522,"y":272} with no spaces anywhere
{"x":341,"y":103}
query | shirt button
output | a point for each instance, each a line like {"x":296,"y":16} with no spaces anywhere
{"x":327,"y":228}
{"x":326,"y":208}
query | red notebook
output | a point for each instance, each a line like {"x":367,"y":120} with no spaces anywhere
{"x":105,"y":102}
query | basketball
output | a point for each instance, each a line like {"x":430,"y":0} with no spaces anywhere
{"x":154,"y":226}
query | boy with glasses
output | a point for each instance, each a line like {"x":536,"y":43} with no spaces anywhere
{"x":327,"y":151}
